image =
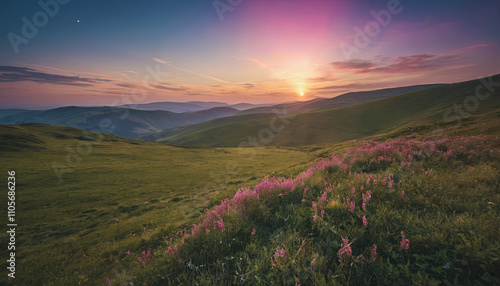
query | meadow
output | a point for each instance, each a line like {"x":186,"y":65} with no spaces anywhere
{"x":120,"y":196}
{"x":335,"y":214}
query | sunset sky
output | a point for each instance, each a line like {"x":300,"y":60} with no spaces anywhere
{"x":257,"y":51}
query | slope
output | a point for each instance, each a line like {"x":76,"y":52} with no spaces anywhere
{"x":344,"y":123}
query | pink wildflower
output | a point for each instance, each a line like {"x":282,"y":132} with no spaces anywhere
{"x":391,"y":183}
{"x":323,"y":199}
{"x":145,"y":258}
{"x":170,"y":250}
{"x":207,"y":230}
{"x":405,"y":243}
{"x":352,"y":206}
{"x":322,"y":213}
{"x":128,"y":252}
{"x":374,"y":252}
{"x":313,"y":262}
{"x":364,"y":221}
{"x":402,"y":194}
{"x":175,"y":248}
{"x":108,"y":282}
{"x":345,"y":249}
{"x":253,"y":231}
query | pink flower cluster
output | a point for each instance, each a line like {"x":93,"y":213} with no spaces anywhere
{"x":405,"y":242}
{"x":145,"y":258}
{"x":374,"y":252}
{"x":345,"y":249}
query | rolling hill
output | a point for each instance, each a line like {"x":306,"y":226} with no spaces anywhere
{"x":190,"y":106}
{"x":112,"y":189}
{"x":129,"y":123}
{"x":339,"y":101}
{"x":337,"y":124}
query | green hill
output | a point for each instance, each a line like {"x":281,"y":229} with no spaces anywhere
{"x":340,"y":124}
{"x":129,"y":123}
{"x":339,"y":101}
{"x":114,"y":194}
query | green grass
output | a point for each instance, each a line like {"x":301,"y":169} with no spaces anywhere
{"x":341,"y":124}
{"x":448,"y":212}
{"x":118,"y":197}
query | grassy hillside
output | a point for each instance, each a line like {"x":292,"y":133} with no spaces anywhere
{"x":339,"y":101}
{"x":345,"y":123}
{"x":404,"y":212}
{"x":129,"y":123}
{"x":115,"y":194}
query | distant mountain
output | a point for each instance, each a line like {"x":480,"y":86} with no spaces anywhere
{"x":129,"y":123}
{"x":424,"y":106}
{"x":339,"y":101}
{"x":190,"y":106}
{"x":8,"y":112}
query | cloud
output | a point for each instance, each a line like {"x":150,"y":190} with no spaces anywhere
{"x":353,"y":65}
{"x":169,"y":88}
{"x":14,"y":74}
{"x":127,"y":85}
{"x":341,"y":86}
{"x":248,"y":85}
{"x":404,"y":64}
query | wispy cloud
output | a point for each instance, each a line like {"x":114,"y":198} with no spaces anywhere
{"x":191,"y":72}
{"x":169,"y":88}
{"x":404,"y":64}
{"x":14,"y":74}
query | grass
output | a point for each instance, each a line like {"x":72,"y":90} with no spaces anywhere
{"x":344,"y":123}
{"x":441,"y":194}
{"x":119,"y":197}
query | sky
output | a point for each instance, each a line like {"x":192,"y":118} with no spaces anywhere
{"x":92,"y":53}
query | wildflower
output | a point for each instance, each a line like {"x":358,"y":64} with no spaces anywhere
{"x":391,"y":183}
{"x":253,"y":231}
{"x":405,"y":243}
{"x":170,"y":250}
{"x":352,"y":206}
{"x":402,"y":194}
{"x":368,"y":181}
{"x":313,"y":262}
{"x":208,"y":204}
{"x":128,"y":252}
{"x":447,"y":266}
{"x":221,"y":224}
{"x":374,"y":252}
{"x":207,"y":231}
{"x":364,"y":221}
{"x":108,"y":282}
{"x":145,"y":258}
{"x":363,"y":205}
{"x":322,"y":200}
{"x":322,"y":213}
{"x":345,"y":249}
{"x":305,"y":192}
{"x":175,"y":248}
{"x":361,"y":188}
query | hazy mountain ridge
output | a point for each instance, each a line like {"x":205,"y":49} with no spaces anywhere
{"x":339,"y":124}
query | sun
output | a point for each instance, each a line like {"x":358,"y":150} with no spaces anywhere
{"x":301,"y":94}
